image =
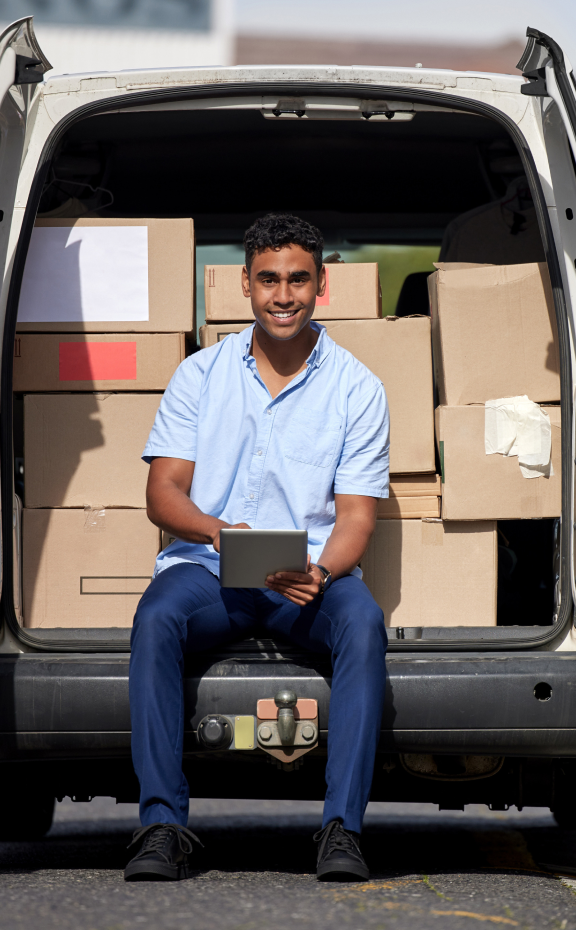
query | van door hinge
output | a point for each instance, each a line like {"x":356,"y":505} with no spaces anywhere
{"x":537,"y":85}
{"x":28,"y":70}
{"x":533,"y":61}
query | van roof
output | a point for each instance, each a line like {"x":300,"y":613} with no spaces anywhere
{"x":424,"y":78}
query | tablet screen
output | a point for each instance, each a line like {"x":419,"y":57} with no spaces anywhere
{"x":248,"y":556}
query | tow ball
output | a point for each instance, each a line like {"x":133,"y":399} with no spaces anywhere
{"x":287,"y":727}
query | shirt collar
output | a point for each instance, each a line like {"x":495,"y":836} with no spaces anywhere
{"x":320,"y":351}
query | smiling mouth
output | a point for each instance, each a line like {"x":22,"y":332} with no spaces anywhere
{"x":283,"y":314}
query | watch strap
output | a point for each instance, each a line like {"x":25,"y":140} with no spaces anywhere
{"x":327,"y":576}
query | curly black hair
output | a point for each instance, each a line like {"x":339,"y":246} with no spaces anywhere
{"x":281,"y":229}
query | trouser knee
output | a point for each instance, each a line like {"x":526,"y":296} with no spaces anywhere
{"x":364,"y":632}
{"x":154,"y":623}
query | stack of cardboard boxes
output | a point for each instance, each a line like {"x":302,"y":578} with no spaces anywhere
{"x":494,"y":336}
{"x":105,"y":309}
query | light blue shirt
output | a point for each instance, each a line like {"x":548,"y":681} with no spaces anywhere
{"x":273,"y":464}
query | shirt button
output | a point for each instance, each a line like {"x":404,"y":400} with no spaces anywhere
{"x":251,"y":497}
{"x":269,"y":412}
{"x":259,"y":451}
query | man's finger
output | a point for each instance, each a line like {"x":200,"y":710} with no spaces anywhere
{"x":282,"y":587}
{"x":294,"y":577}
{"x":295,"y":597}
{"x":300,"y":596}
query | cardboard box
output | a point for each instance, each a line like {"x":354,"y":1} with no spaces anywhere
{"x":84,"y":569}
{"x":352,"y":293}
{"x":398,"y":351}
{"x":213,"y":333}
{"x":415,"y":486}
{"x":118,"y":362}
{"x":476,"y":486}
{"x":425,"y":574}
{"x":494,"y":333}
{"x":95,"y":275}
{"x":414,"y":508}
{"x":84,"y":449}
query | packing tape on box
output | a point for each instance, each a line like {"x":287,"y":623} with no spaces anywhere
{"x":94,"y":519}
{"x":518,"y":426}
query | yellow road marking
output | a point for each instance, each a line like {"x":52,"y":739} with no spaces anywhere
{"x":495,"y":920}
{"x":391,"y":883}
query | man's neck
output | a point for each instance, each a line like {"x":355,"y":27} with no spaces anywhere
{"x":279,"y":362}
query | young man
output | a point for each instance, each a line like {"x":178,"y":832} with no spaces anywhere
{"x":276,"y":427}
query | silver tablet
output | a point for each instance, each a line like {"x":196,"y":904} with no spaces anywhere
{"x":247,"y":556}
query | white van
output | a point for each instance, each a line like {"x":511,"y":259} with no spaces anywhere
{"x":377,"y":158}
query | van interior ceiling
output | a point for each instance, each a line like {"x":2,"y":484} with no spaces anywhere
{"x":365,"y":183}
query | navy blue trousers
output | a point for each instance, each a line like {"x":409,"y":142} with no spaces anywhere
{"x":185,"y":611}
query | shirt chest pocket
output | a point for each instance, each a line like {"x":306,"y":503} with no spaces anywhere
{"x":312,"y":437}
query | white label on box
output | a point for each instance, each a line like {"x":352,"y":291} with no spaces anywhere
{"x":86,"y":274}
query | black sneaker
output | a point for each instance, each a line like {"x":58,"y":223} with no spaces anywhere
{"x":164,"y":854}
{"x":339,"y":856}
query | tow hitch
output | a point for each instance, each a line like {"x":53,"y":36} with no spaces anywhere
{"x":285,"y":727}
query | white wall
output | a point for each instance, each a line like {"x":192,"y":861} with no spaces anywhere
{"x":72,"y":49}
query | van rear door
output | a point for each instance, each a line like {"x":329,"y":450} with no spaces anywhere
{"x":550,"y":77}
{"x":22,"y":67}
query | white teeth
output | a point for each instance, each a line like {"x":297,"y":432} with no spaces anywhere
{"x":283,"y":315}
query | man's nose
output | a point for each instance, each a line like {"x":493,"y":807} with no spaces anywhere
{"x":283,"y":295}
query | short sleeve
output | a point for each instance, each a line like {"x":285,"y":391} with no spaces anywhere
{"x":363,"y":467}
{"x":174,"y":432}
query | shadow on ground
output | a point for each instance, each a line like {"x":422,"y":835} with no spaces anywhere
{"x":420,"y":844}
{"x":256,"y":872}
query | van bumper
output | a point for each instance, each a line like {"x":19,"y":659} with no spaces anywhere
{"x":76,"y":706}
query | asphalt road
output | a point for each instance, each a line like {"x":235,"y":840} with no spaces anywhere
{"x":429,"y":870}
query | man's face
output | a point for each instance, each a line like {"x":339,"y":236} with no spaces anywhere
{"x":283,"y":286}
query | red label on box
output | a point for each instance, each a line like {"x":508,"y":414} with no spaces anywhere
{"x":325,"y":301}
{"x":97,"y":361}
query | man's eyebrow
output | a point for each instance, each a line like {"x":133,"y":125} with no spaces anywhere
{"x":291,"y":274}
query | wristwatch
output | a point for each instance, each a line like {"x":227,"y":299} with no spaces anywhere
{"x":326,"y":579}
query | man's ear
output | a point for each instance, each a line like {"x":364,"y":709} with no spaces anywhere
{"x":321,"y":282}
{"x":245,"y":282}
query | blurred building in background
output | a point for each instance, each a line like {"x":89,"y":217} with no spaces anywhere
{"x":269,"y":50}
{"x":110,"y":35}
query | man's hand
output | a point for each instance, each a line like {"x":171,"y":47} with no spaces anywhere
{"x":227,"y":526}
{"x":299,"y":587}
{"x":355,"y":521}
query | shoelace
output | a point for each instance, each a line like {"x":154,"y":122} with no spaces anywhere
{"x":335,"y":837}
{"x":155,"y":841}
